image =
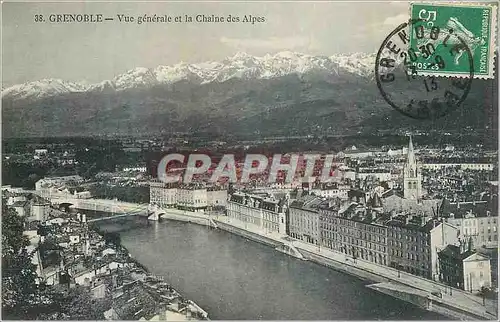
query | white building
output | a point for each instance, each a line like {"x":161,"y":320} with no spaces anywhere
{"x":39,"y":211}
{"x":265,"y":212}
{"x":163,"y":194}
{"x":191,"y":197}
{"x":379,"y":175}
{"x":464,"y":268}
{"x":477,"y":220}
{"x":39,"y":153}
{"x":332,"y":190}
{"x":462,"y":166}
{"x":304,"y":219}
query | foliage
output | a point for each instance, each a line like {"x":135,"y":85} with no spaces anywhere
{"x":123,"y":193}
{"x":79,"y":305}
{"x":74,"y":304}
{"x":19,"y":290}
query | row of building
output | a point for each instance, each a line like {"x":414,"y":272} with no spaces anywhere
{"x":193,"y":197}
{"x":415,"y":243}
{"x":33,"y":209}
{"x":431,"y":238}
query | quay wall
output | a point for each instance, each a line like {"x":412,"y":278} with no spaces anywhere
{"x":416,"y":299}
{"x":423,"y":302}
{"x":186,"y":217}
{"x":248,"y":234}
{"x":339,"y":266}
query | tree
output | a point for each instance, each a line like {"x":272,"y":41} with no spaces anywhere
{"x":77,"y":304}
{"x":18,"y":273}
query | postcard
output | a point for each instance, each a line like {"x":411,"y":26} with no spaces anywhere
{"x":249,"y":160}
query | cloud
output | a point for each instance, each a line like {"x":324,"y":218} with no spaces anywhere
{"x":272,"y":43}
{"x":396,"y":20}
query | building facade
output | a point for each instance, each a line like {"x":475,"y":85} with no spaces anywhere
{"x":264,"y":212}
{"x":356,"y":231}
{"x":410,"y":246}
{"x":477,"y":220}
{"x":163,"y":194}
{"x":189,"y":197}
{"x":462,"y":166}
{"x":304,"y":219}
{"x":466,"y":270}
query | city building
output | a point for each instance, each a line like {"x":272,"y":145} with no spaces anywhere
{"x":216,"y":197}
{"x":355,"y":230}
{"x":58,"y":186}
{"x":465,"y":269}
{"x":304,"y":219}
{"x":461,"y":166}
{"x":379,"y":174}
{"x":264,"y":211}
{"x":22,"y":207}
{"x":331,"y":190}
{"x":39,"y":153}
{"x":476,"y":219}
{"x":39,"y":211}
{"x":193,"y":197}
{"x":56,"y":182}
{"x":414,"y":242}
{"x":163,"y":194}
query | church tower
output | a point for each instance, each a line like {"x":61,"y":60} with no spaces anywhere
{"x":412,"y":177}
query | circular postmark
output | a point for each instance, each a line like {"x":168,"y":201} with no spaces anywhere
{"x":411,"y":75}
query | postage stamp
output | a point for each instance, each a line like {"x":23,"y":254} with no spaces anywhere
{"x":401,"y":78}
{"x":474,"y":24}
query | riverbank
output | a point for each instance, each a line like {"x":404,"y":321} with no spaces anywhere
{"x":460,"y":305}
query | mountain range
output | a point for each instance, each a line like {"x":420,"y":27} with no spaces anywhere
{"x":283,"y":94}
{"x":240,"y":66}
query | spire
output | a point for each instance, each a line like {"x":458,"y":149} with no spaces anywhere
{"x":411,"y":153}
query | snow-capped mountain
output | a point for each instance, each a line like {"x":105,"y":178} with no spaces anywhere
{"x":241,"y":65}
{"x":42,"y":88}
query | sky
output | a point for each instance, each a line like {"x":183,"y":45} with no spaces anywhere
{"x":95,"y":52}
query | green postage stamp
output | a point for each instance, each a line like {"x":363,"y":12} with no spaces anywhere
{"x":453,"y":39}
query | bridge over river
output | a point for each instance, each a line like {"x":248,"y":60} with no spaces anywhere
{"x":114,"y":207}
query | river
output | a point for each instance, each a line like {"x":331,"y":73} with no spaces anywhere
{"x":234,"y":278}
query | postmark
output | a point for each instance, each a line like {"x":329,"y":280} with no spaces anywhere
{"x":475,"y":24}
{"x":418,"y":94}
